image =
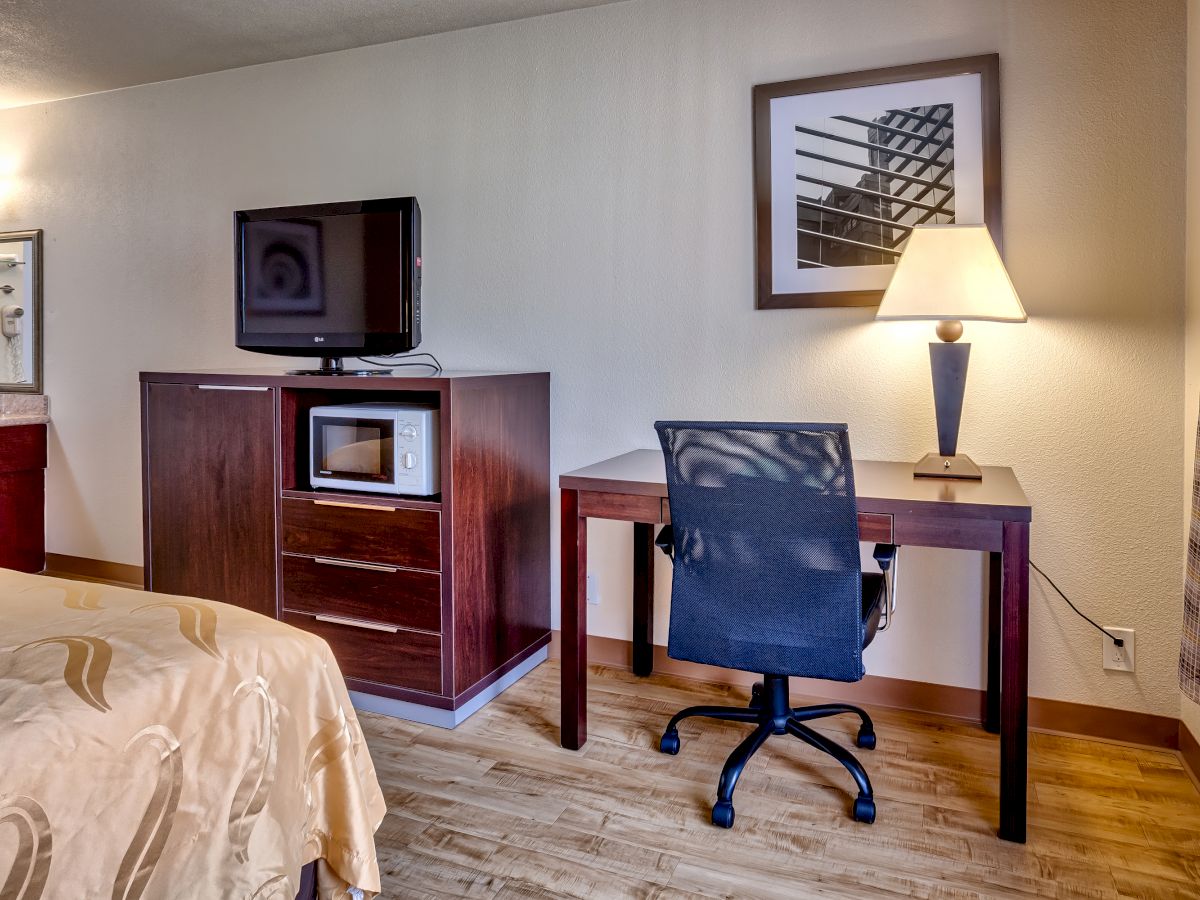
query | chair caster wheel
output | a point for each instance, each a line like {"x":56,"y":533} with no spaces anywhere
{"x":864,"y":810}
{"x":669,"y":743}
{"x":722,"y":814}
{"x":756,"y":695}
{"x":866,"y":739}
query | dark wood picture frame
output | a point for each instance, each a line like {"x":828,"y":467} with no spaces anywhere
{"x":986,"y":66}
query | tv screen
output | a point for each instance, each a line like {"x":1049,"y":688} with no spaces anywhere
{"x":331,"y":280}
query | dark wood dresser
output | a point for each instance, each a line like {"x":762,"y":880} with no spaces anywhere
{"x":430,"y":604}
{"x":23,"y":497}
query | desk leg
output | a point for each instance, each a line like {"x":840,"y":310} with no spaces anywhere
{"x":991,"y":711}
{"x":573,"y":622}
{"x":1014,"y":681}
{"x":643,"y":598}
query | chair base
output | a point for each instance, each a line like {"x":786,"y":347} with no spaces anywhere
{"x":770,"y":712}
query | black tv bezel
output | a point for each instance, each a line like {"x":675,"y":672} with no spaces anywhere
{"x":337,"y":344}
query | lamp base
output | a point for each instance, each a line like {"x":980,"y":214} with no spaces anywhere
{"x":934,"y":465}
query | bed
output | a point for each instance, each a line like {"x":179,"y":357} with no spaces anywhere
{"x":161,"y":746}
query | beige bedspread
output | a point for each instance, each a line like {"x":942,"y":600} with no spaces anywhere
{"x":154,"y":746}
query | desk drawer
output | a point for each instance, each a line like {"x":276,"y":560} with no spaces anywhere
{"x":875,"y":528}
{"x":595,"y":504}
{"x":410,"y":659}
{"x":363,"y":533}
{"x":405,"y":597}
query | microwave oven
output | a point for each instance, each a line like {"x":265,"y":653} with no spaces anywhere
{"x":386,"y":448}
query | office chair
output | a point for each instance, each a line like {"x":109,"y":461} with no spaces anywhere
{"x":767,"y":579}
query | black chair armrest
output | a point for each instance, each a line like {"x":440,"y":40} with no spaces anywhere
{"x":885,"y":555}
{"x":666,"y":541}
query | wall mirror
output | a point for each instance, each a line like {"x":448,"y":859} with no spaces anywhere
{"x":21,"y":312}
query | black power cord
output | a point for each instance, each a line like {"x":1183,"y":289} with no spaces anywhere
{"x":392,"y":360}
{"x":1104,"y":631}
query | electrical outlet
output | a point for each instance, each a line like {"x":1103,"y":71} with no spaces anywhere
{"x":593,"y":591}
{"x":1119,"y":659}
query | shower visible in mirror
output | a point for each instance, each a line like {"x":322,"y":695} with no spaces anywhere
{"x":21,"y":312}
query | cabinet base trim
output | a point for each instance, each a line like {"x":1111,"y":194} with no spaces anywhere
{"x":447,"y":718}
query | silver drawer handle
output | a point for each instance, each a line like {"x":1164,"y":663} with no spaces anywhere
{"x":231,"y":387}
{"x":355,"y":623}
{"x":348,"y":505}
{"x":372,"y":567}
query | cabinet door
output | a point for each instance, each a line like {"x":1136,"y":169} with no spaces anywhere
{"x":209,"y":493}
{"x":23,"y":497}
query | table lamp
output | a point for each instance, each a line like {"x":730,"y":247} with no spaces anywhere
{"x":948,"y":273}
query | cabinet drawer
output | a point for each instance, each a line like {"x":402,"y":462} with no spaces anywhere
{"x":374,"y":534}
{"x":404,"y":597}
{"x":22,"y":448}
{"x":409,"y":659}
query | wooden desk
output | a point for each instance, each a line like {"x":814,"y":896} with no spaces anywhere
{"x":991,"y":515}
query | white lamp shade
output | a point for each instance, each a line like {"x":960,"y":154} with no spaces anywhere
{"x":951,"y":272}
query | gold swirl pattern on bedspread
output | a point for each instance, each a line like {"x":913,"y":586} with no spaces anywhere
{"x":197,"y":623}
{"x":75,"y":594}
{"x":27,"y":878}
{"x":251,"y":794}
{"x":82,"y":596}
{"x":277,"y":888}
{"x":138,"y":767}
{"x":147,"y":845}
{"x":88,"y":659}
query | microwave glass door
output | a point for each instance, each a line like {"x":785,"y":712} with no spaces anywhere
{"x":355,"y":449}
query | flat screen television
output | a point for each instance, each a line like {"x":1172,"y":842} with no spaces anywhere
{"x":330,"y":280}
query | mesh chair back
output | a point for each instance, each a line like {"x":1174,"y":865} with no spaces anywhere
{"x":767,"y":575}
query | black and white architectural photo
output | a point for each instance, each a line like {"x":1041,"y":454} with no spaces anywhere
{"x":862,"y":184}
{"x":845,"y":166}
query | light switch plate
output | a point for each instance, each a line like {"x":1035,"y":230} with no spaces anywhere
{"x":593,"y":590}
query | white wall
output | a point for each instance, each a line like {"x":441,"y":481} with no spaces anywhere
{"x":1189,"y":711}
{"x":586,"y":188}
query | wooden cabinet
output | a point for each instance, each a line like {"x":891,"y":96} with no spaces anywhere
{"x":432,"y":601}
{"x":209,"y":492}
{"x":23,"y":497}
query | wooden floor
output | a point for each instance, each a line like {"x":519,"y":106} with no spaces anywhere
{"x":497,"y":809}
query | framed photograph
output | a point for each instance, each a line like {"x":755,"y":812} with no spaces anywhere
{"x":283,"y":263}
{"x":846,"y":165}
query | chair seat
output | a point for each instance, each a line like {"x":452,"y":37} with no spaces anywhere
{"x":874,"y":595}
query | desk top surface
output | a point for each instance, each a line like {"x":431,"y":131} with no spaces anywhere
{"x":885,"y":485}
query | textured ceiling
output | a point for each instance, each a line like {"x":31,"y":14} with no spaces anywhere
{"x":50,"y":49}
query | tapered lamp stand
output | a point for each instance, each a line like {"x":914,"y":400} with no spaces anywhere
{"x":948,"y":364}
{"x":948,"y":274}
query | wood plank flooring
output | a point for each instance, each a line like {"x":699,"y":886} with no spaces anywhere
{"x":496,"y":809}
